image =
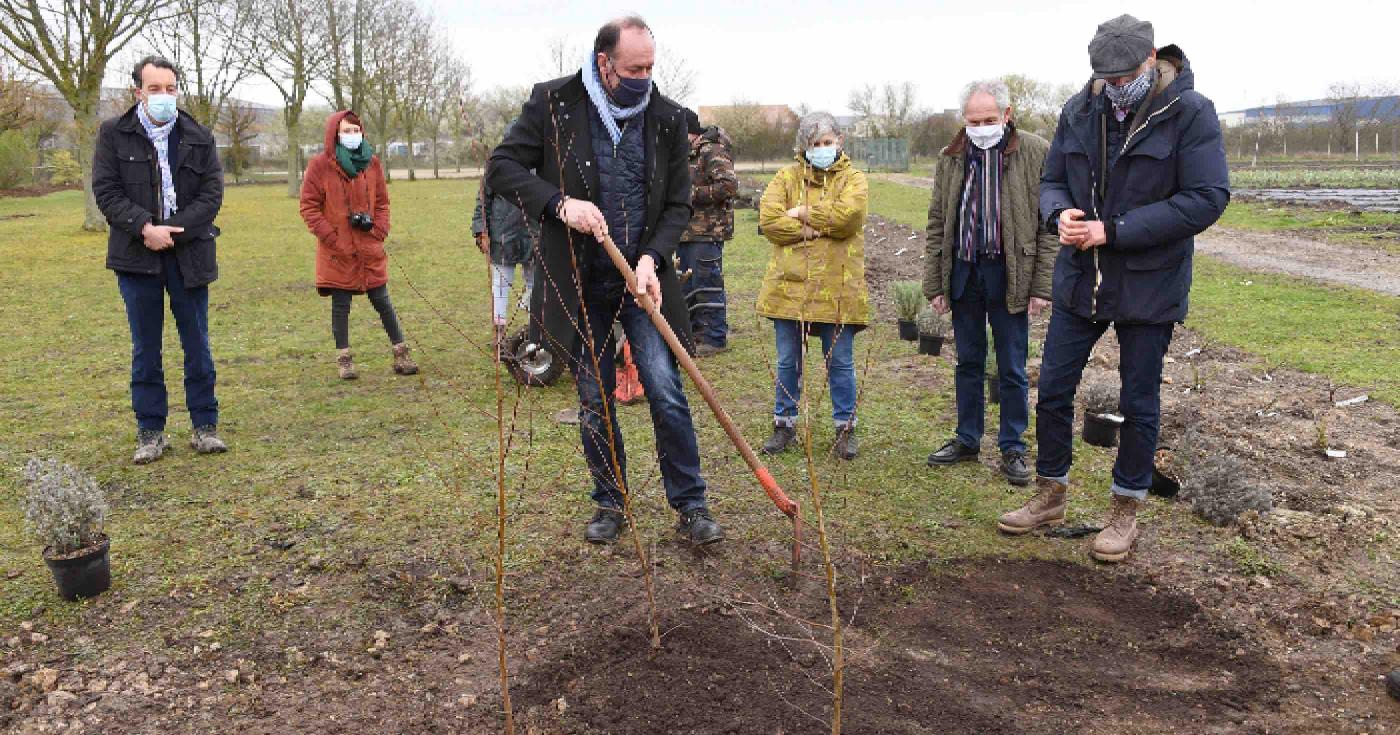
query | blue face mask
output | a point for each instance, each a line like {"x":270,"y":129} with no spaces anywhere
{"x":352,"y":140}
{"x":822,"y":157}
{"x":161,"y":107}
{"x":630,"y":92}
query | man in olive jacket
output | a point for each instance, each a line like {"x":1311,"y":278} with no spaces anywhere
{"x":989,"y":259}
{"x":157,"y":179}
{"x":602,"y":152}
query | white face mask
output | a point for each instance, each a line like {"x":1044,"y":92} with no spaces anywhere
{"x":986,"y":136}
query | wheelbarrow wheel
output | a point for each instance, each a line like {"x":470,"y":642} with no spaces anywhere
{"x":535,"y":369}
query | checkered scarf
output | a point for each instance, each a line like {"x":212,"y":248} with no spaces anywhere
{"x":160,"y":138}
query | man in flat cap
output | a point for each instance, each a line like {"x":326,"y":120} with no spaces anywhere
{"x":1136,"y":170}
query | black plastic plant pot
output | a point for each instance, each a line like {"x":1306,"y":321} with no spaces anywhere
{"x":1163,"y":485}
{"x":1101,"y":430}
{"x":930,"y":345}
{"x":908,"y":330}
{"x":86,"y":574}
{"x":993,"y":389}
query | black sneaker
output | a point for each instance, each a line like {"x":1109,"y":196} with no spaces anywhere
{"x":1014,"y":467}
{"x":783,"y":437}
{"x":698,"y":526}
{"x":953,"y":452}
{"x":606,"y":526}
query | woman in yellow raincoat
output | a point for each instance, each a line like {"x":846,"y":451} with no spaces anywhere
{"x":813,"y":213}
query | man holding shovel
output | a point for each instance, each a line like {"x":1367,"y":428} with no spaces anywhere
{"x":595,"y":154}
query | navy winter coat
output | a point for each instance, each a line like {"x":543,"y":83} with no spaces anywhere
{"x":1170,"y":182}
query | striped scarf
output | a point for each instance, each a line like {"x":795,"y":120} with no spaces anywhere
{"x":979,"y":228}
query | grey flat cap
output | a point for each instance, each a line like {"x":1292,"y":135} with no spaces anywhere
{"x":1120,"y":46}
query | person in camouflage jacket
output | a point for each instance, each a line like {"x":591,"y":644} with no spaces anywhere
{"x":714,"y":185}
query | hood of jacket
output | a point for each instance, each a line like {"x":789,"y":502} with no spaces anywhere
{"x":333,"y":130}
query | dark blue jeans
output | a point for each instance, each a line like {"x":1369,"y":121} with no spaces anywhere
{"x":676,"y":447}
{"x":704,"y":291}
{"x":145,"y":311}
{"x":838,"y":353}
{"x":1141,"y":349}
{"x":979,"y":304}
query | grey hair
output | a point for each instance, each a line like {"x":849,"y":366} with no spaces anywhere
{"x":814,"y":125}
{"x":994,"y":87}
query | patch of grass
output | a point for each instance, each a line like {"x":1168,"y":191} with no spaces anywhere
{"x":1350,"y":335}
{"x":1320,"y":178}
{"x":1252,"y":562}
{"x":1367,"y":229}
{"x":902,"y":203}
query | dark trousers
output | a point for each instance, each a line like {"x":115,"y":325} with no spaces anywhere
{"x":704,"y":290}
{"x":144,"y":296}
{"x":676,"y":448}
{"x":980,"y":301}
{"x":340,"y":315}
{"x":1141,"y":349}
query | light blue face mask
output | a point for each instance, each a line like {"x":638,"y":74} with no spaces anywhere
{"x":822,"y":157}
{"x":352,"y":140}
{"x":161,"y":107}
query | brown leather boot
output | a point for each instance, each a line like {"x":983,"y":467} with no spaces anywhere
{"x":1045,"y":508}
{"x":1115,"y":541}
{"x":346,"y":364}
{"x":403,"y":364}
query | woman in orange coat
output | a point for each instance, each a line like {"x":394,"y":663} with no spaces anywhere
{"x":346,"y":206}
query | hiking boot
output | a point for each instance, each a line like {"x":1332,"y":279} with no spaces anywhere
{"x":953,"y":452}
{"x":1045,"y":508}
{"x":346,"y":365}
{"x":205,"y":440}
{"x":403,"y":364}
{"x":847,"y":446}
{"x":1014,"y":467}
{"x":705,"y":349}
{"x":1115,"y":541}
{"x":606,"y":526}
{"x":783,"y":437}
{"x":150,"y":445}
{"x":698,"y":526}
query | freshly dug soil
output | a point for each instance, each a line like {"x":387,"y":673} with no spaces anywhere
{"x":974,"y":647}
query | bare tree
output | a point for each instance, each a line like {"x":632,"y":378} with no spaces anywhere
{"x":564,"y":58}
{"x":69,"y":43}
{"x":238,"y":123}
{"x":348,"y":27}
{"x":18,"y":106}
{"x":386,"y":72}
{"x":674,"y":76}
{"x":422,"y":55}
{"x":1345,"y":99}
{"x":293,"y":51}
{"x":446,"y":102}
{"x":211,"y":42}
{"x":887,"y":111}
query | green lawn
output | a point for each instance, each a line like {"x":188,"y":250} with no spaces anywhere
{"x":1349,"y":334}
{"x":1367,"y":229}
{"x":388,"y":471}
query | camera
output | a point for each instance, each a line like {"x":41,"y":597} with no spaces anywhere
{"x":362,"y":221}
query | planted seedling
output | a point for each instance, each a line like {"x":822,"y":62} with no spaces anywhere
{"x":908,"y":299}
{"x":931,"y":323}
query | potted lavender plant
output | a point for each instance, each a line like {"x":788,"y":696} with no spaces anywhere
{"x":65,"y":509}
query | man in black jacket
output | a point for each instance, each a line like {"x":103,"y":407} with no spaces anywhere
{"x":157,"y":179}
{"x":602,"y":152}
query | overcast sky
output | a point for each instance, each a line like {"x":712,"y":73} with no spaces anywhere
{"x":816,"y":52}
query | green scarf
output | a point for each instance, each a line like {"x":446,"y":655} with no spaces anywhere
{"x":356,"y":161}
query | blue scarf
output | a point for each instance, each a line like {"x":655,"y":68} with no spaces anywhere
{"x":607,"y":109}
{"x":160,"y":138}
